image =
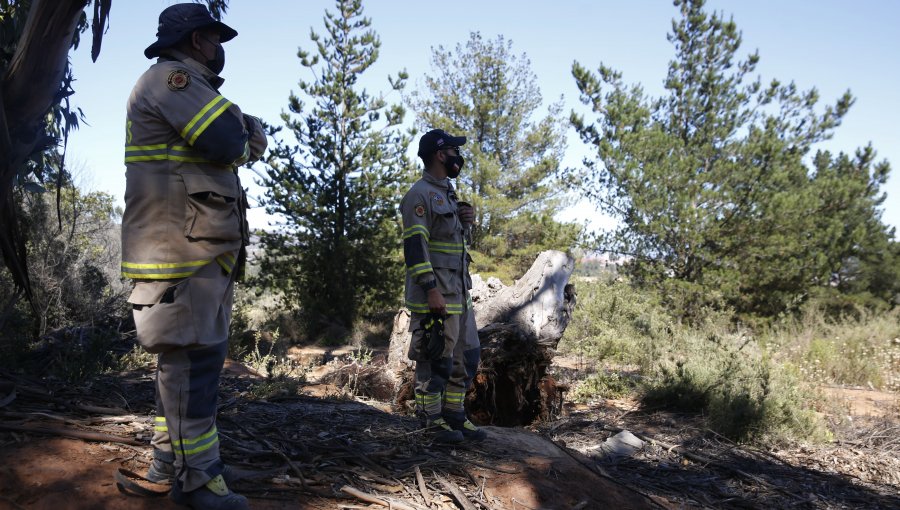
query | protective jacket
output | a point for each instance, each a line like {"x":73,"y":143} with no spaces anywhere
{"x":434,"y":246}
{"x":184,"y":204}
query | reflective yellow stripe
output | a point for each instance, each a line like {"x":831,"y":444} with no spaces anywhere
{"x":226,"y":261}
{"x":452,"y":251}
{"x":424,"y":267}
{"x":160,"y":418}
{"x":452,"y":308}
{"x":161,"y":428}
{"x":454,"y":396}
{"x":196,"y":440}
{"x":156,"y":276}
{"x":166,"y":265}
{"x":182,"y":153}
{"x":416,"y":230}
{"x":187,"y":159}
{"x":134,"y":153}
{"x":206,"y":124}
{"x":200,"y":448}
{"x":159,"y":271}
{"x":445,"y":245}
{"x":154,"y":157}
{"x":145,"y":147}
{"x":203,"y":111}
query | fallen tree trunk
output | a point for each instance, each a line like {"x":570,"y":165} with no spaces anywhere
{"x":519,"y":327}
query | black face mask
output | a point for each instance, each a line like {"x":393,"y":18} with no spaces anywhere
{"x":218,"y":62}
{"x":453,"y":173}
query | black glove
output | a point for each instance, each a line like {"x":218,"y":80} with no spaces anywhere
{"x":434,"y":337}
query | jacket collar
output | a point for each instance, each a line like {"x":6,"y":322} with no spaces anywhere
{"x":172,"y":54}
{"x":440,"y":183}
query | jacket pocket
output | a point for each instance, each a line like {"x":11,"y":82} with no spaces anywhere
{"x":444,"y":223}
{"x":448,"y":280}
{"x":211,"y":208}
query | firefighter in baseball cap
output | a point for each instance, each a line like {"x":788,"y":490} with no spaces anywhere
{"x":445,"y":341}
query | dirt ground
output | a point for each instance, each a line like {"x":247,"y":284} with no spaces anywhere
{"x":302,"y":452}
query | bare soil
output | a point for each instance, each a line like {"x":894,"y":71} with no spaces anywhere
{"x":304,"y":451}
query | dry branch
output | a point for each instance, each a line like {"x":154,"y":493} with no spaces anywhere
{"x":76,"y":434}
{"x":457,"y":494}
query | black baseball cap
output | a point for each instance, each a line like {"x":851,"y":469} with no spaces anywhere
{"x":437,"y":139}
{"x":178,"y":21}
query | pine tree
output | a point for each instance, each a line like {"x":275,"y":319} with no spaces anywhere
{"x":715,"y":200}
{"x":512,"y":174}
{"x":335,"y":255}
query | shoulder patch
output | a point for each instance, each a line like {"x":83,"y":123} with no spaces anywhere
{"x":178,"y":80}
{"x":420,"y":210}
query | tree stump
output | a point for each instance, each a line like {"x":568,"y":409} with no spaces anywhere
{"x":519,"y":327}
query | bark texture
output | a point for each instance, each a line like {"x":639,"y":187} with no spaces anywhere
{"x":28,"y":89}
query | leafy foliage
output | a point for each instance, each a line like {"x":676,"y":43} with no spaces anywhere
{"x":512,"y":173}
{"x":709,"y":366}
{"x":37,"y":116}
{"x":710,"y":182}
{"x":337,"y":188}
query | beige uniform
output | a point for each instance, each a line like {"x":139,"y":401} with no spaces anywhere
{"x":183,"y":236}
{"x":434,"y":250}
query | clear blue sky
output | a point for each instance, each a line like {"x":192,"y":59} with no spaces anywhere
{"x":832,"y":45}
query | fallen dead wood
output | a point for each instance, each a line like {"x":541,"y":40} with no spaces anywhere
{"x":420,"y":481}
{"x":707,"y":461}
{"x":456,"y":493}
{"x":388,"y":502}
{"x":75,"y":434}
{"x":519,"y":328}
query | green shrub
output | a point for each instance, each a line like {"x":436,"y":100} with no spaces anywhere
{"x":612,"y":321}
{"x":602,"y":385}
{"x":860,"y":349}
{"x":710,"y":366}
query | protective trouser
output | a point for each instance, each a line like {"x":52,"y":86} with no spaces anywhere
{"x":440,"y":385}
{"x":188,"y":328}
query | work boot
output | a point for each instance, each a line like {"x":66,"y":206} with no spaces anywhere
{"x":162,"y":469}
{"x":215,"y":495}
{"x":468,"y":429}
{"x":442,"y":432}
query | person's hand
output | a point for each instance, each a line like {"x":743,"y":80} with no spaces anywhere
{"x":466,"y":214}
{"x":436,"y":302}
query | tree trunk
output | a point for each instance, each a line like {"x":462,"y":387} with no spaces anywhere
{"x":29,"y":88}
{"x":519,"y":328}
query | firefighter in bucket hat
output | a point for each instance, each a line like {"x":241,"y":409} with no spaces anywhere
{"x":184,"y":234}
